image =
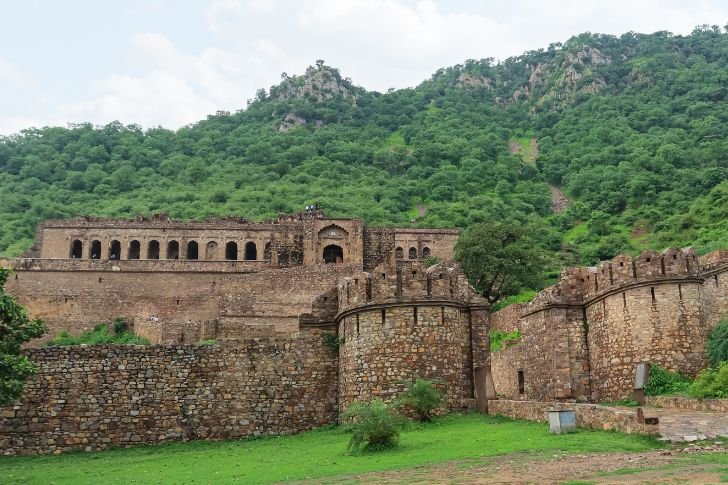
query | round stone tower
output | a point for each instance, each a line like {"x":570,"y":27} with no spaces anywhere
{"x":398,"y":323}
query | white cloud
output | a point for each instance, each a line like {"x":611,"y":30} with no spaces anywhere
{"x":11,"y":73}
{"x":378,"y":43}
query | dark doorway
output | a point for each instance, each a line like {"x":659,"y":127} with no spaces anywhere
{"x":333,"y":254}
{"x":135,"y":249}
{"x":413,"y":253}
{"x":76,"y":249}
{"x":95,"y":250}
{"x":193,"y":250}
{"x":266,"y":255}
{"x":115,"y":250}
{"x":399,"y":253}
{"x":231,"y":251}
{"x":153,"y":250}
{"x":425,"y":252}
{"x":172,"y":250}
{"x":251,"y":251}
{"x":521,"y":383}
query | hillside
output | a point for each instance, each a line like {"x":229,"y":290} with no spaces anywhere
{"x":631,"y":130}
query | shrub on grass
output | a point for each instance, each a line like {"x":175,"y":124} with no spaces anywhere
{"x":711,"y":382}
{"x":663,"y":382}
{"x":373,"y":425}
{"x":718,"y":344}
{"x":423,"y":397}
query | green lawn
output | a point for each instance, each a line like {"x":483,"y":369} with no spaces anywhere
{"x":315,"y":454}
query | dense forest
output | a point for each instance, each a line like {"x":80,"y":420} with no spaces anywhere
{"x":632,"y":129}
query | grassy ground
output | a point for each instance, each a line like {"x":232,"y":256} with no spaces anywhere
{"x":315,"y":455}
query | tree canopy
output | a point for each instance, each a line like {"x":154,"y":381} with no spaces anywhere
{"x":15,"y":329}
{"x":500,"y":259}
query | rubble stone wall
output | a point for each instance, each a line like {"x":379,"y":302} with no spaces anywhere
{"x":97,"y":397}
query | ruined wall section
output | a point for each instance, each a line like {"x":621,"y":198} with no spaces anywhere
{"x":400,"y":322}
{"x":378,"y":247}
{"x":173,"y":307}
{"x":425,"y":242}
{"x":657,"y":307}
{"x":94,"y":398}
{"x":550,"y":362}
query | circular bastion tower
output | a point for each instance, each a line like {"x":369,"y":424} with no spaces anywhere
{"x":406,"y":321}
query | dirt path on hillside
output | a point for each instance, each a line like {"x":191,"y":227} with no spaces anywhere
{"x":540,"y":468}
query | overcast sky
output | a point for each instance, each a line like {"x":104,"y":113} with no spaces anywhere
{"x":172,"y":62}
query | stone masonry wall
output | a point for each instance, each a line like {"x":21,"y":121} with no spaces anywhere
{"x":384,"y":349}
{"x":657,"y":307}
{"x":587,"y":415}
{"x":171,"y":306}
{"x":93,"y":398}
{"x":552,"y":356}
{"x":660,"y":324}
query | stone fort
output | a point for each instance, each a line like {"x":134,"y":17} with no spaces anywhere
{"x":310,"y":314}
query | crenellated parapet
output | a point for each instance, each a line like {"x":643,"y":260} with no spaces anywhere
{"x":408,"y":281}
{"x":579,"y":285}
{"x":597,"y":323}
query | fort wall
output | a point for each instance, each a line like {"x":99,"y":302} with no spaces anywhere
{"x":583,"y":337}
{"x":93,"y":398}
{"x":403,"y":321}
{"x":167,"y":304}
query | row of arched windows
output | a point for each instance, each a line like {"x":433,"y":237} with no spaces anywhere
{"x":153,"y":250}
{"x":412,"y":254}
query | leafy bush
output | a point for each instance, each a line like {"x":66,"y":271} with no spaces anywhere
{"x":374,"y":426}
{"x":430,"y":261}
{"x":423,"y":397}
{"x":718,"y":344}
{"x":98,"y":336}
{"x":523,"y":297}
{"x":711,"y":382}
{"x":663,"y":381}
{"x":120,"y":326}
{"x":497,"y":337}
{"x":333,"y":342}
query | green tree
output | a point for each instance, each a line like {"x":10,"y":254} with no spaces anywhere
{"x":500,"y":259}
{"x":15,"y":329}
{"x":423,"y":397}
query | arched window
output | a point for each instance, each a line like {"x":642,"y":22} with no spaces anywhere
{"x":251,"y":251}
{"x":231,"y":251}
{"x":76,"y":249}
{"x":425,"y":252}
{"x":333,"y":254}
{"x":413,"y":253}
{"x":266,"y":251}
{"x":399,"y":253}
{"x":95,"y":252}
{"x":153,"y":249}
{"x":135,"y":249}
{"x":115,"y":250}
{"x":172,"y":250}
{"x":193,"y":251}
{"x":211,"y":251}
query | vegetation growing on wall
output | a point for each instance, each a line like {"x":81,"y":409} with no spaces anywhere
{"x":497,"y":337}
{"x":100,"y":335}
{"x":718,"y":344}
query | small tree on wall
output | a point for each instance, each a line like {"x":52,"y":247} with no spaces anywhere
{"x":500,"y":259}
{"x":15,"y":329}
